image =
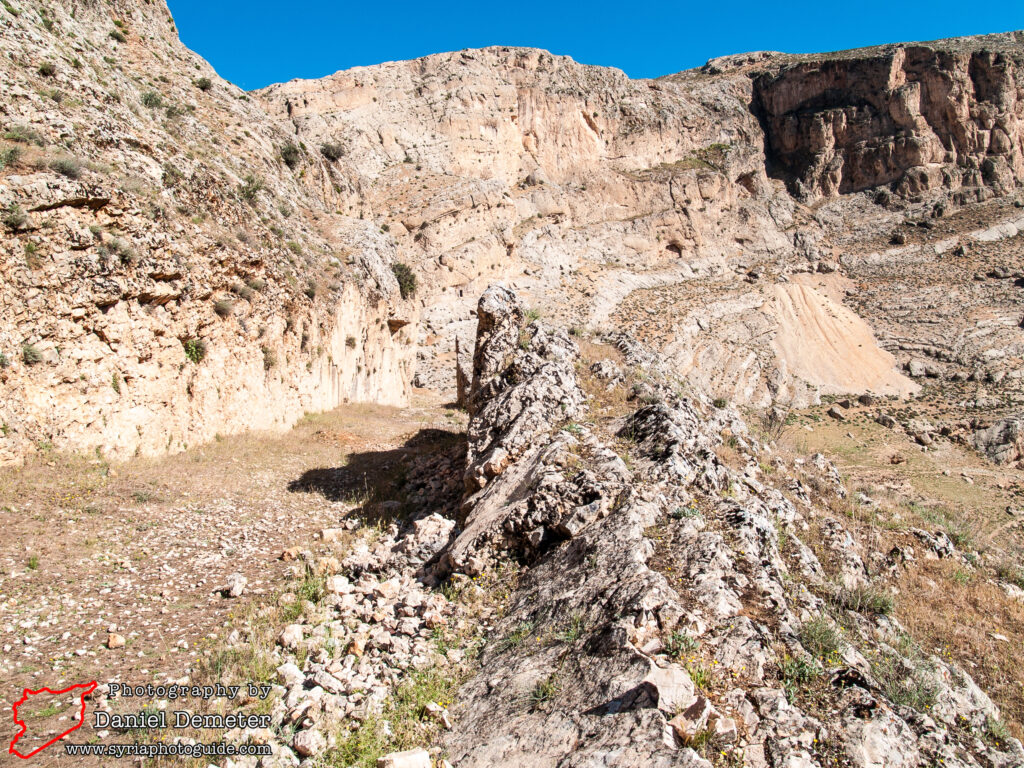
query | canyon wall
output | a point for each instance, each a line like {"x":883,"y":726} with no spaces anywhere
{"x":168,"y":271}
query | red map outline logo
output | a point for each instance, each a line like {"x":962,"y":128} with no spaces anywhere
{"x":87,"y":689}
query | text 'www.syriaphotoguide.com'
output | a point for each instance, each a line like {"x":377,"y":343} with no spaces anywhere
{"x":219,"y":749}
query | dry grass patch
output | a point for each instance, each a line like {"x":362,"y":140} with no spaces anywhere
{"x":960,"y":625}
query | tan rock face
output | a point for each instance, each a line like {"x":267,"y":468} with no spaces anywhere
{"x":918,"y":117}
{"x":592,"y":194}
{"x":166,"y":275}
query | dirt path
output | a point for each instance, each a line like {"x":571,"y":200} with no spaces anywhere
{"x":139,"y":550}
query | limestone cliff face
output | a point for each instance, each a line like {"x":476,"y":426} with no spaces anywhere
{"x":917,"y":117}
{"x":165,"y":275}
{"x":600,"y":198}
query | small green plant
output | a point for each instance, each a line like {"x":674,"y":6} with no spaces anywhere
{"x":865,"y":598}
{"x":33,"y":563}
{"x":962,"y":577}
{"x":701,"y":674}
{"x":532,"y":314}
{"x":69,"y":167}
{"x":574,"y":631}
{"x":797,"y":672}
{"x":517,"y":636}
{"x":242,"y":291}
{"x":310,"y":290}
{"x":350,"y":342}
{"x":910,"y":683}
{"x":1010,"y":572}
{"x":115,"y":382}
{"x":223,"y":307}
{"x":23,"y":134}
{"x":4,"y":362}
{"x":152,"y":99}
{"x":678,"y":645}
{"x":14,"y":217}
{"x":525,"y":339}
{"x":683,"y":512}
{"x":11,"y":9}
{"x":406,"y":279}
{"x":256,"y":283}
{"x":251,"y":186}
{"x":821,"y":639}
{"x":204,"y":83}
{"x":47,"y":69}
{"x":32,"y":260}
{"x":118,"y":35}
{"x":720,"y":402}
{"x":195,"y":349}
{"x":332,"y":151}
{"x":9,"y":156}
{"x":291,"y":155}
{"x":996,"y":731}
{"x":124,"y":252}
{"x":269,"y":358}
{"x":30,"y":355}
{"x":544,"y":691}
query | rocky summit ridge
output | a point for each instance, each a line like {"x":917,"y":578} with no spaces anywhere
{"x":632,"y":289}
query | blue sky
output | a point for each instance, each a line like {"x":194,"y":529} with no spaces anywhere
{"x":256,"y":42}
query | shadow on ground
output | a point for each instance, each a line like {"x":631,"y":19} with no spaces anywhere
{"x":396,"y":484}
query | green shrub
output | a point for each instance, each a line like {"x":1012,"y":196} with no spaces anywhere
{"x":204,"y":84}
{"x":865,"y":599}
{"x":332,"y":151}
{"x":223,"y":307}
{"x":195,"y":349}
{"x":545,"y":690}
{"x":30,"y":355}
{"x":251,"y":186}
{"x":1010,"y":572}
{"x":242,"y":291}
{"x":821,"y":639}
{"x":24,"y":134}
{"x":118,"y":35}
{"x":406,"y":279}
{"x":910,"y":683}
{"x":115,"y":382}
{"x":47,"y":69}
{"x":720,"y":402}
{"x":4,"y":362}
{"x":14,"y":218}
{"x":9,"y":156}
{"x":124,"y":252}
{"x":256,"y":283}
{"x":269,"y":358}
{"x":32,"y":256}
{"x":291,"y":155}
{"x":795,"y":673}
{"x":152,"y":99}
{"x":310,"y":290}
{"x":70,"y":167}
{"x":11,"y":9}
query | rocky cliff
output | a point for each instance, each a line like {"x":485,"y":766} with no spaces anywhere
{"x":168,"y":271}
{"x":676,"y":207}
{"x":915,"y":117}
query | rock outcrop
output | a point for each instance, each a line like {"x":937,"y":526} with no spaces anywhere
{"x":663,"y":612}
